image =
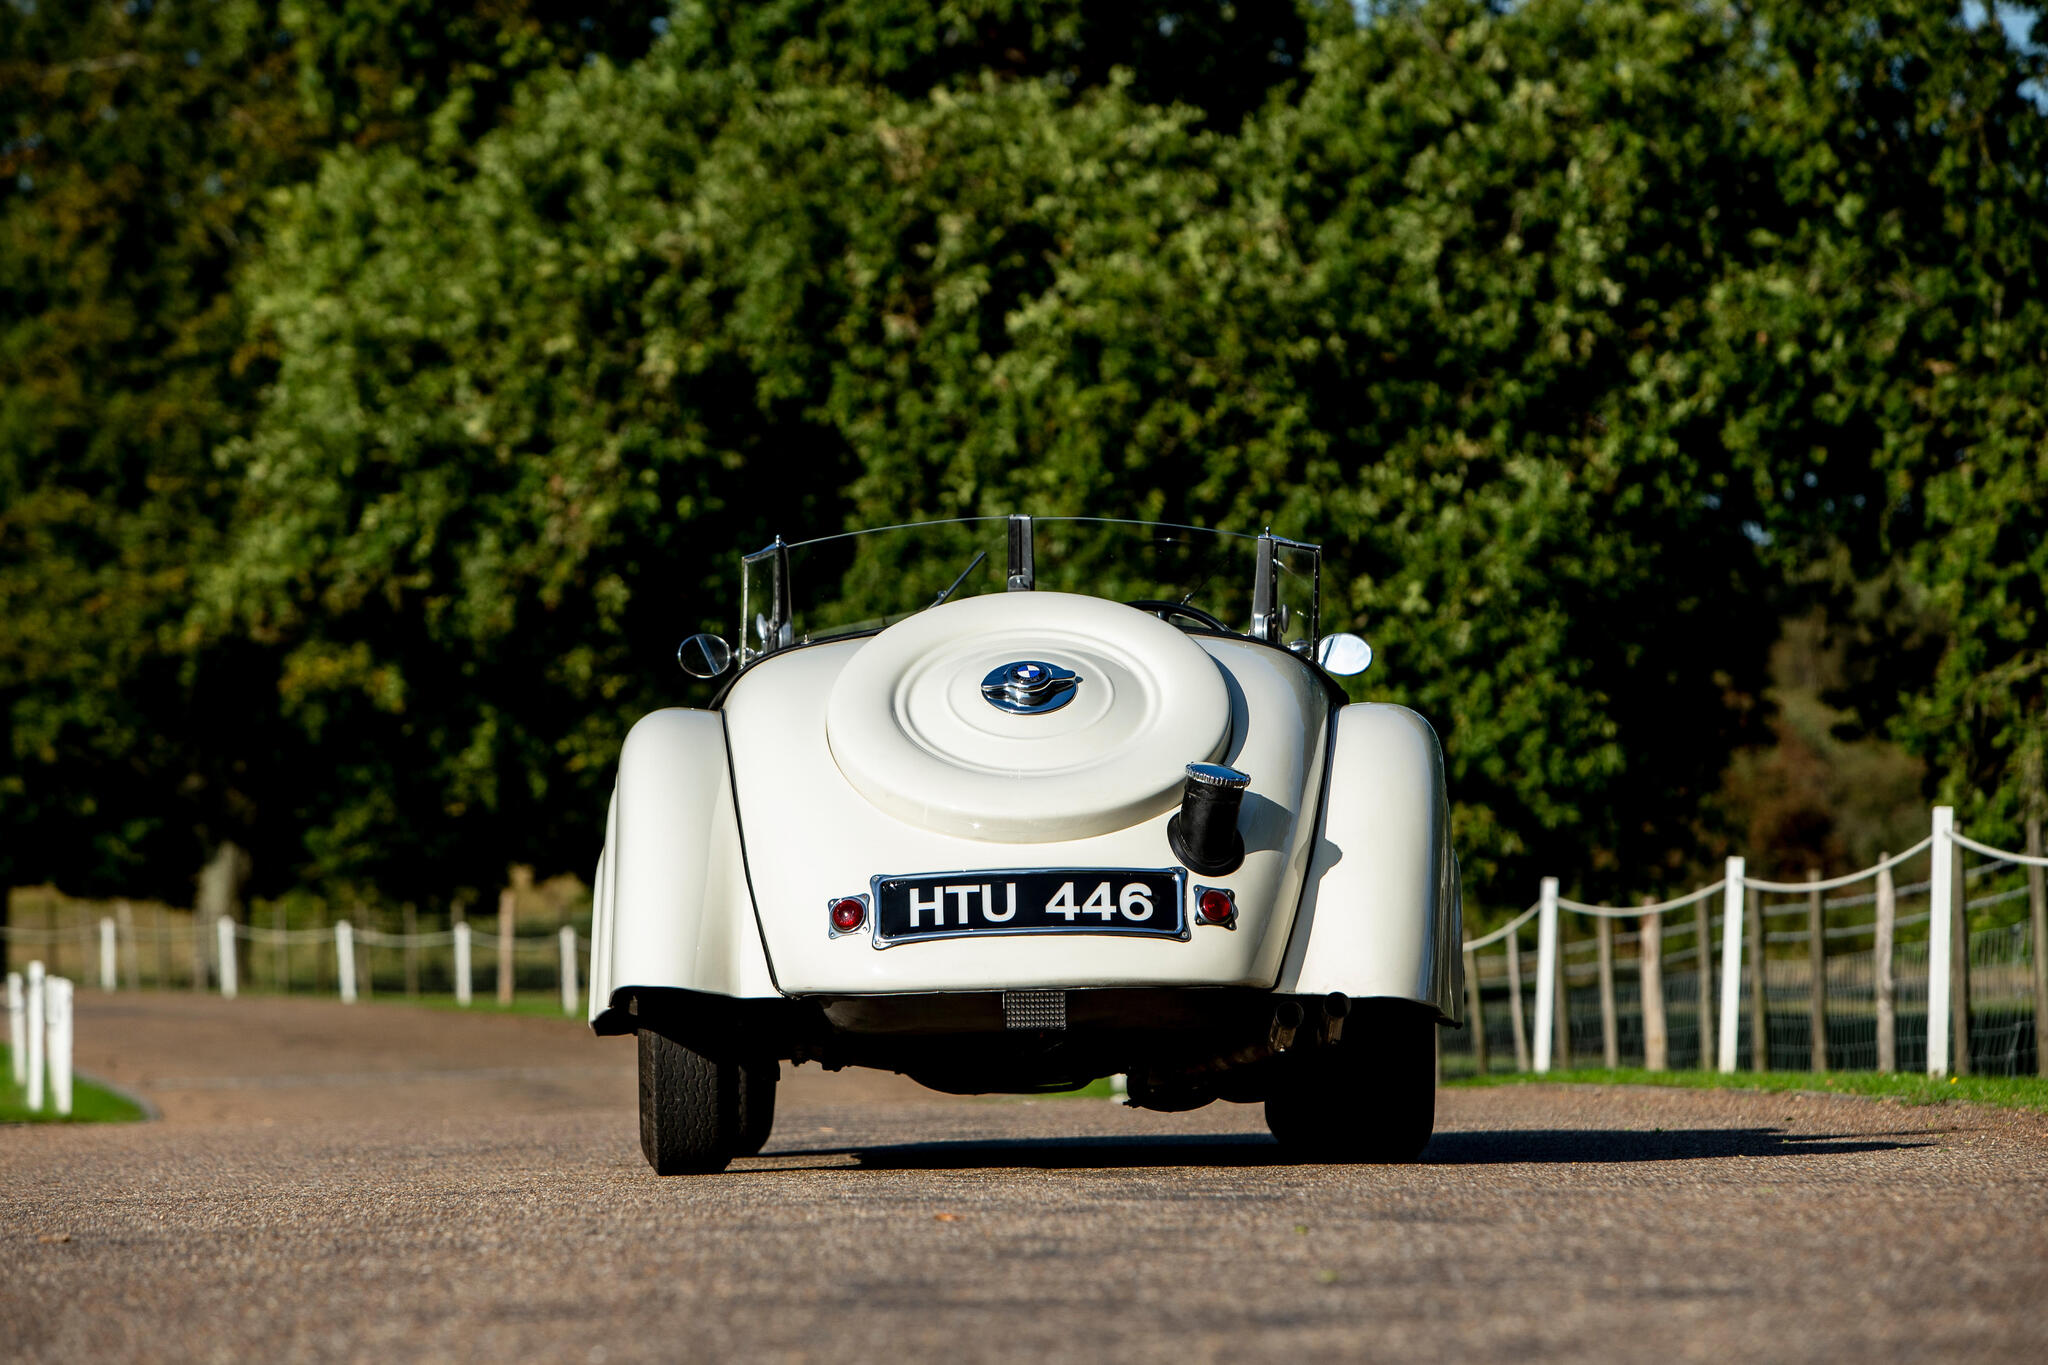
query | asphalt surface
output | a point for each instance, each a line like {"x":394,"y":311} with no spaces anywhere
{"x":387,"y":1182}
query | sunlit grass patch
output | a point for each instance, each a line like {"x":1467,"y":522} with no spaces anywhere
{"x":2006,"y":1092}
{"x":89,"y":1103}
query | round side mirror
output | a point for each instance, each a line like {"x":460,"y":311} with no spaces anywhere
{"x":704,"y":656}
{"x":1343,"y":655}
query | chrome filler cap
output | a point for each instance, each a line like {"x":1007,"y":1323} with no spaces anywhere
{"x":1029,"y":687}
{"x":1218,"y":775}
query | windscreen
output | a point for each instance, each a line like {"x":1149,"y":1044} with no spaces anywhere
{"x":865,"y":580}
{"x":1131,"y":561}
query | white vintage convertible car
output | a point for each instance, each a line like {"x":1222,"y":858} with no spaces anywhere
{"x":1014,"y":804}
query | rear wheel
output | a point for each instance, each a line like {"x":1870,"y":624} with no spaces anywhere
{"x":694,"y":1108}
{"x":1369,"y":1097}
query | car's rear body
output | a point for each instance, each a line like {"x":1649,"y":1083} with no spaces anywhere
{"x":885,"y":768}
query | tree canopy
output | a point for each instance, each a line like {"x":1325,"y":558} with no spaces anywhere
{"x":354,"y":509}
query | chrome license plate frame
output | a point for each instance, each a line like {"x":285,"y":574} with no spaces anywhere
{"x":918,"y":907}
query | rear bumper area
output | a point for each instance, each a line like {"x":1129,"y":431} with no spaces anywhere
{"x":1180,"y":1047}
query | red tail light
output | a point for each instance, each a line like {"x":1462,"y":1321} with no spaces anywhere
{"x":848,"y":915}
{"x":1216,"y":906}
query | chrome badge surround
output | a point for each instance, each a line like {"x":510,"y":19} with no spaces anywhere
{"x":1029,"y":687}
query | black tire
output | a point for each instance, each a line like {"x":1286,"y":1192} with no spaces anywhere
{"x":689,"y":1107}
{"x":757,"y":1105}
{"x":1371,"y":1097}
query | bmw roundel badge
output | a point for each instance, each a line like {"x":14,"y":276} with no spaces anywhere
{"x":1029,"y":687}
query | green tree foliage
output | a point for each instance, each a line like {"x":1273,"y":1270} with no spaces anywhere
{"x":702,"y":302}
{"x":1872,"y":360}
{"x":1591,"y":339}
{"x":137,"y":142}
{"x":1221,"y":57}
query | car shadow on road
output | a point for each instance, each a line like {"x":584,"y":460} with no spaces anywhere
{"x":1544,"y":1146}
{"x":1555,"y":1146}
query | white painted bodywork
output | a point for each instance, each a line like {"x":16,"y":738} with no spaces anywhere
{"x":732,"y":830}
{"x":1381,"y":912}
{"x":811,"y":837}
{"x":672,"y":906}
{"x":909,"y":729}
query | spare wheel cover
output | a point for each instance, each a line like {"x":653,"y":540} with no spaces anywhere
{"x":911,"y":730}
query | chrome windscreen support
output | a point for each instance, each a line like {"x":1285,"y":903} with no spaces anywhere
{"x":772,"y":625}
{"x":1270,"y":616}
{"x":1315,"y":606}
{"x":1021,"y":576}
{"x":1265,"y":592}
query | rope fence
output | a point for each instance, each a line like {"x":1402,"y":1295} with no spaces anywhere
{"x":1699,"y":980}
{"x":1899,"y":977}
{"x":182,"y":952}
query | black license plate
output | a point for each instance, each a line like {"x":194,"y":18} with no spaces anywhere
{"x":1148,"y":902}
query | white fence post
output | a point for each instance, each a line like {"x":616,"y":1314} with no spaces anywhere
{"x":1731,"y":965}
{"x":1546,"y":971}
{"x":17,"y":1030}
{"x":224,"y":940}
{"x":568,"y":941}
{"x":1940,"y":904}
{"x":345,"y":959}
{"x":36,"y":1022}
{"x":110,"y":962}
{"x":462,"y":964}
{"x":1887,"y":983}
{"x":59,"y":1026}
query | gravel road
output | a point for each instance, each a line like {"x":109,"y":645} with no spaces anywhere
{"x":382,"y":1181}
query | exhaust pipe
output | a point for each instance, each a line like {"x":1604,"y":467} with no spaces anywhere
{"x":1336,"y":1006}
{"x":1287,"y":1017}
{"x":1203,"y":835}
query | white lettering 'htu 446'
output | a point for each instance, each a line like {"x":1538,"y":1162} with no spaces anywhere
{"x":988,"y":908}
{"x":963,"y":897}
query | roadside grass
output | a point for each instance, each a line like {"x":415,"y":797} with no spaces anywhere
{"x":2028,"y":1093}
{"x":535,"y":1004}
{"x":89,"y":1103}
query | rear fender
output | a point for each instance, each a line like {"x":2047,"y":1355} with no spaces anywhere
{"x":1381,"y":910}
{"x":672,"y":907}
